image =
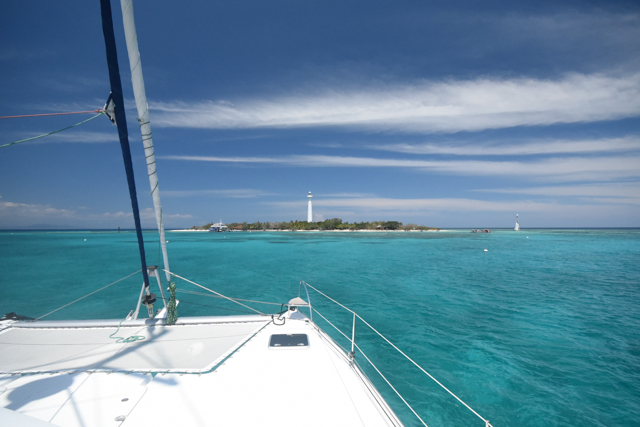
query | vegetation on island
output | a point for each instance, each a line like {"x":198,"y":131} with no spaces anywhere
{"x":328,"y":224}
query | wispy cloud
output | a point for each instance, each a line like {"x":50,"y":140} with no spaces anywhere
{"x":72,"y":83}
{"x":82,"y":137}
{"x":440,"y":211}
{"x":16,"y":214}
{"x":145,"y":214}
{"x":236,"y":193}
{"x":625,"y":192}
{"x":564,"y":169}
{"x":582,"y":37}
{"x":114,"y":215}
{"x":382,"y":204}
{"x":423,"y":107}
{"x":89,"y":104}
{"x":149,"y":214}
{"x":14,"y":53}
{"x":12,"y":209}
{"x":513,"y":148}
{"x":470,"y":212}
{"x":359,"y":195}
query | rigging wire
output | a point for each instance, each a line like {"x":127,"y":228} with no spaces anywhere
{"x":399,"y":351}
{"x":214,"y":292}
{"x":371,"y":363}
{"x":56,"y":131}
{"x":50,"y":114}
{"x":235,"y":299}
{"x":213,"y":306}
{"x":392,"y":387}
{"x":89,"y":294}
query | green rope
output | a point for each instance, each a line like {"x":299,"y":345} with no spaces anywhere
{"x":51,"y":133}
{"x":172,"y":310}
{"x":120,"y":340}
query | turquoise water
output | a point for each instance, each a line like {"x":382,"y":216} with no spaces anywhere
{"x":537,"y":331}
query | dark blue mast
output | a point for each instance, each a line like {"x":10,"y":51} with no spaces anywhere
{"x":121,"y":120}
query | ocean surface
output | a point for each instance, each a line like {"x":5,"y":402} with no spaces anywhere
{"x":542,"y":329}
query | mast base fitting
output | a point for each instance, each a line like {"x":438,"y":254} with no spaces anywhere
{"x":149,"y":299}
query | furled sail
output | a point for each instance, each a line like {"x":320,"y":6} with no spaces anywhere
{"x":143,"y":117}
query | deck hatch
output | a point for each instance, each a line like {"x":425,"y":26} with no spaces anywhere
{"x":289,"y":340}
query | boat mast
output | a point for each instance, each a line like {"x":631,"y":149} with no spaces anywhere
{"x":143,"y":117}
{"x":121,"y":120}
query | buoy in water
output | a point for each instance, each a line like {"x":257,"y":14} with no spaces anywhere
{"x":85,"y":240}
{"x":486,"y":250}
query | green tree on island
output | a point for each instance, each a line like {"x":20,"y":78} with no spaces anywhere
{"x":327,"y":224}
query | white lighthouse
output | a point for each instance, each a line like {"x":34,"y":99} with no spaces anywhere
{"x":310,"y":211}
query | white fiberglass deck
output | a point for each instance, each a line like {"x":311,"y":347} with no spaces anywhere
{"x":256,"y":385}
{"x":183,"y":348}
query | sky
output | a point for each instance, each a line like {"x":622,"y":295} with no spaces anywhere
{"x":445,"y":114}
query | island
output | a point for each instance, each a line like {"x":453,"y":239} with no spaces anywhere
{"x":334,"y":224}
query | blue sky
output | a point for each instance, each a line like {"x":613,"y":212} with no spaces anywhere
{"x":447,"y":114}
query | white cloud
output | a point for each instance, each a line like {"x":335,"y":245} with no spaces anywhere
{"x":14,"y":54}
{"x":150,"y":214}
{"x":63,"y":107}
{"x":561,"y":169}
{"x":584,"y":37}
{"x":359,"y":195}
{"x":625,"y":189}
{"x":629,"y":143}
{"x":472,"y":212}
{"x":607,"y":193}
{"x":32,"y":210}
{"x":424,"y":106}
{"x":25,"y":214}
{"x":114,"y":215}
{"x":244,"y":193}
{"x":82,"y":137}
{"x":381,"y":204}
{"x":145,"y":214}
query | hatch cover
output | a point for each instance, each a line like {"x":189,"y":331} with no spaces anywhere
{"x":289,"y":340}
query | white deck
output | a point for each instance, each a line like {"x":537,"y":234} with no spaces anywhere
{"x":255,"y":385}
{"x":182,"y":348}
